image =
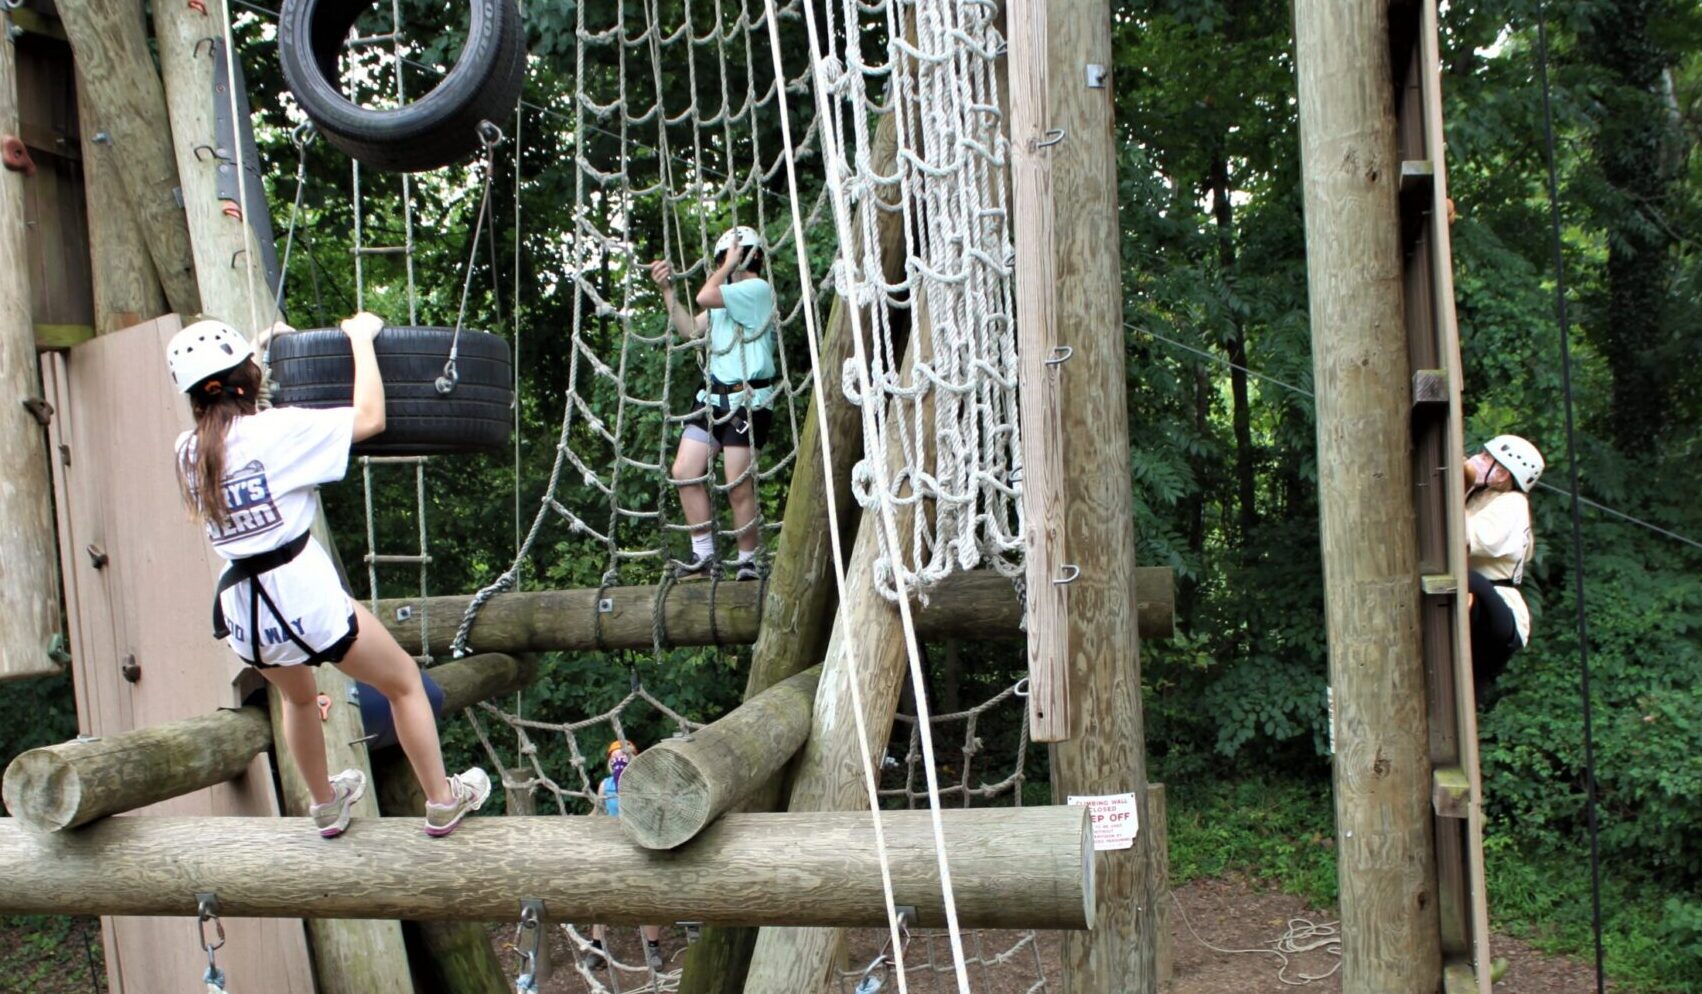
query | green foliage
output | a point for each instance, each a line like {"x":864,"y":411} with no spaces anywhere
{"x":1279,"y":829}
{"x":35,"y":712}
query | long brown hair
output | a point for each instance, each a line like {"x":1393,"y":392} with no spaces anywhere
{"x":217,"y":402}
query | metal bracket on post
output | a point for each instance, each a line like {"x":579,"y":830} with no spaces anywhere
{"x":1095,"y":76}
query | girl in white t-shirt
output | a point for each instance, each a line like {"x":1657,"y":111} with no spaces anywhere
{"x":250,"y":476}
{"x":1499,"y":543}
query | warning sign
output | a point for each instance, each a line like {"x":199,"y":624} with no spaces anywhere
{"x":1114,"y":820}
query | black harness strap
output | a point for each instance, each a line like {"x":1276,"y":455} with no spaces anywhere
{"x":719,"y":389}
{"x":250,"y":569}
{"x":1506,"y":583}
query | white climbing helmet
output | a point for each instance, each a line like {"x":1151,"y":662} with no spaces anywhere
{"x":1517,"y":457}
{"x":202,"y":349}
{"x":744,"y":235}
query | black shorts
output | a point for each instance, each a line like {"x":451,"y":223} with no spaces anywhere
{"x":333,"y":653}
{"x":736,"y":429}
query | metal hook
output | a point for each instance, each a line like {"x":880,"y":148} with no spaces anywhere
{"x":1053,"y":137}
{"x":489,"y":134}
{"x":304,"y":133}
{"x":531,"y":935}
{"x":447,"y":382}
{"x":211,"y":42}
{"x":1072,"y":572}
{"x":1060,"y":355}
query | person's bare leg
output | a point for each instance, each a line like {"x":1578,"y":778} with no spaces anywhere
{"x":378,"y":661}
{"x":691,"y":462}
{"x":302,"y":726}
{"x":736,"y":459}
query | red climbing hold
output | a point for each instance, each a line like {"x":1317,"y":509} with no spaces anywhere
{"x":16,"y":156}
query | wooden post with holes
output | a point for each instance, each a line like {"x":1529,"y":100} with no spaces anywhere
{"x":1032,"y":144}
{"x":29,"y":578}
{"x":1351,"y":173}
{"x":1107,"y":754}
{"x":228,"y":260}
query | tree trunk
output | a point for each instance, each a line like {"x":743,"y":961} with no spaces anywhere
{"x":1235,"y":349}
{"x":1634,"y":149}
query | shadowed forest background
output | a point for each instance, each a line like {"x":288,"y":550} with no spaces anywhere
{"x":1221,"y":433}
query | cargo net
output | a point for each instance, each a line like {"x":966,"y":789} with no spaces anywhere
{"x":675,"y":114}
{"x":951,"y":409}
{"x":559,"y":769}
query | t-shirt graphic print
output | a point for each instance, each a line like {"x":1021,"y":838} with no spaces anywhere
{"x":248,"y":499}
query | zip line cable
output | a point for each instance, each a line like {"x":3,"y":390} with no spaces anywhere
{"x":1577,"y":511}
{"x":1302,"y":391}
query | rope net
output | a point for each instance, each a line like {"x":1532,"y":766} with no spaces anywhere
{"x":674,"y":125}
{"x":957,"y":426}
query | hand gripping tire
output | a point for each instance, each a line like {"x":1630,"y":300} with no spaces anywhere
{"x":435,"y":130}
{"x":314,"y":368}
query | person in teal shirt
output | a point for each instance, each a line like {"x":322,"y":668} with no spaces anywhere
{"x":734,"y":408}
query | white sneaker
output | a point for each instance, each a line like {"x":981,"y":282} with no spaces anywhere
{"x":469,"y":790}
{"x":332,"y":817}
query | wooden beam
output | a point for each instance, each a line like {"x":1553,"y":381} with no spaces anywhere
{"x":1158,"y":827}
{"x":126,"y":287}
{"x":29,"y":578}
{"x":1108,"y":753}
{"x":62,"y":336}
{"x":976,"y":605}
{"x":460,"y":952}
{"x":1351,"y":172}
{"x":124,"y":92}
{"x":1044,"y":506}
{"x":73,"y":783}
{"x":1021,"y":867}
{"x":228,"y":267}
{"x":672,"y":790}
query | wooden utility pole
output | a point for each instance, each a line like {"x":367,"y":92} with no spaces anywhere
{"x":29,"y":578}
{"x":122,"y":90}
{"x":1107,"y":754}
{"x":228,"y":261}
{"x":1351,"y":173}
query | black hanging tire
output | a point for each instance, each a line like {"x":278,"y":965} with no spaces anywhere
{"x":435,"y":130}
{"x":314,"y":368}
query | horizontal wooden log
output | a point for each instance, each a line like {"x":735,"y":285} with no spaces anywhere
{"x":678,"y":786}
{"x":73,"y":783}
{"x":974,"y":605}
{"x":1027,"y":867}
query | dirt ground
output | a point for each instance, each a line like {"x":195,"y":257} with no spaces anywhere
{"x":1229,"y":913}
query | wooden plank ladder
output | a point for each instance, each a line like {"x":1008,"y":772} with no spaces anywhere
{"x":1437,"y":453}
